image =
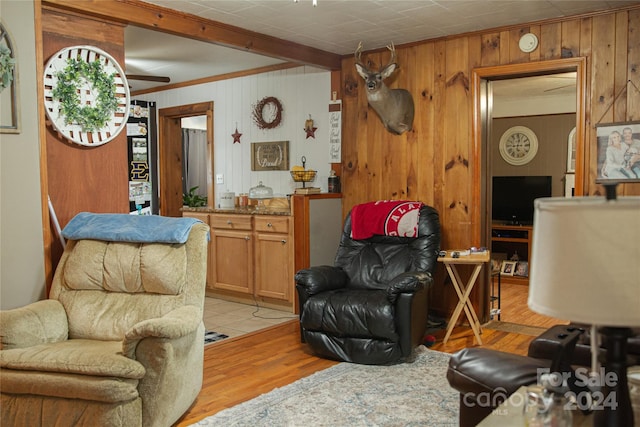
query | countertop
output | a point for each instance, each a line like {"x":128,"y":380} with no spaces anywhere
{"x":275,"y":206}
{"x":245,"y":210}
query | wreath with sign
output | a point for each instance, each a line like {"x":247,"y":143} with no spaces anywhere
{"x":89,"y":117}
{"x":270,"y":106}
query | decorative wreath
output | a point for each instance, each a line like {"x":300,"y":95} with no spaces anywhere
{"x":89,"y":118}
{"x":258,"y":113}
{"x":86,"y":95}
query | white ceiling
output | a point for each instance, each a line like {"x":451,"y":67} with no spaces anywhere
{"x":334,"y":25}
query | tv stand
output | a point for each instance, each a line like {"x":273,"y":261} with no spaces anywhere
{"x":510,"y":239}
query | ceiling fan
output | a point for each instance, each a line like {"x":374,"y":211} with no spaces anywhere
{"x":159,"y":79}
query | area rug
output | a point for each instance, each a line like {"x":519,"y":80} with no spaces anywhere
{"x":211,"y":337}
{"x":498,"y":325}
{"x":415,"y":393}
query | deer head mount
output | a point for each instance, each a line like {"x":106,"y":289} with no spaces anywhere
{"x":394,"y":106}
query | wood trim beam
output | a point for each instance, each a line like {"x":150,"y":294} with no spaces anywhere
{"x":47,"y":233}
{"x":153,"y":17}
{"x":219,"y":77}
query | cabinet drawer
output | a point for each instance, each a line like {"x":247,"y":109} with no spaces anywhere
{"x":204,"y":217}
{"x":230,"y":222}
{"x":273,"y":224}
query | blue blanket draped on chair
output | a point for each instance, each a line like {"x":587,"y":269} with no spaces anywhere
{"x":128,"y":228}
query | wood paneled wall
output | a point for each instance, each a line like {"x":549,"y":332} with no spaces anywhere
{"x":433,"y":162}
{"x":79,"y":178}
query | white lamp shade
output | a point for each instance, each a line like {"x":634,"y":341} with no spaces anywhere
{"x":585,"y":262}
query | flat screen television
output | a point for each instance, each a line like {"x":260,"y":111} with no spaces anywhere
{"x":513,"y":197}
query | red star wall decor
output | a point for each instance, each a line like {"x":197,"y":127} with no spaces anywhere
{"x":236,"y":136}
{"x":309,"y":128}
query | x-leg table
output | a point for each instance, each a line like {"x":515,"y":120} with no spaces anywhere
{"x":477,"y":260}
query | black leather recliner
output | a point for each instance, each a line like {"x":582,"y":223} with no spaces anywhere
{"x":371,"y":306}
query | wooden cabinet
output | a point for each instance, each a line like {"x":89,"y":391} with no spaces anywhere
{"x":273,"y":258}
{"x":254,"y":256}
{"x":231,"y":260}
{"x":512,"y":240}
{"x":251,"y":257}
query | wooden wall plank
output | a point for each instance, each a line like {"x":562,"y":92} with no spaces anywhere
{"x":515,"y":54}
{"x":504,"y":47}
{"x":550,"y":41}
{"x":602,"y":85}
{"x":536,"y":54}
{"x":620,"y":89}
{"x":570,"y":36}
{"x":490,"y":54}
{"x":633,"y":66}
{"x":632,"y":77}
{"x":421,"y":150}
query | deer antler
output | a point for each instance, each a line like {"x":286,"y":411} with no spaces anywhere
{"x":358,"y":54}
{"x":392,"y":48}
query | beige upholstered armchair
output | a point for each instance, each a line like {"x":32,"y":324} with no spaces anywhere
{"x":120,"y":342}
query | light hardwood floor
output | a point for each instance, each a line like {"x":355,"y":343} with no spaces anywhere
{"x":242,"y":368}
{"x":515,"y":309}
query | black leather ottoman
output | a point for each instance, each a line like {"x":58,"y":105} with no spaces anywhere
{"x":546,"y":345}
{"x":485,"y":378}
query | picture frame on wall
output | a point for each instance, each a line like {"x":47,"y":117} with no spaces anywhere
{"x":270,"y":156}
{"x":508,"y":268}
{"x":618,"y":152}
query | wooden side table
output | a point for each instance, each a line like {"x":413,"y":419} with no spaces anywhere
{"x":451,"y":263}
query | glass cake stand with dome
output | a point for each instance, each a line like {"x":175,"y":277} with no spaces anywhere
{"x":261,"y":193}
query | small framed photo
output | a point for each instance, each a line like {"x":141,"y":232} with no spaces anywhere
{"x":522,"y":269}
{"x":508,"y":268}
{"x":618,"y":152}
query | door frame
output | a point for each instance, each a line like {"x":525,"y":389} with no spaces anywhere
{"x":480,"y":147}
{"x":170,"y":155}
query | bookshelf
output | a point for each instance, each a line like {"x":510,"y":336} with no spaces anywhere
{"x":510,"y":240}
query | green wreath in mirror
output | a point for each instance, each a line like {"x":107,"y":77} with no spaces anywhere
{"x":7,"y":62}
{"x":79,"y":74}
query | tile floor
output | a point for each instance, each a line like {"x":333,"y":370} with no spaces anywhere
{"x":235,"y":319}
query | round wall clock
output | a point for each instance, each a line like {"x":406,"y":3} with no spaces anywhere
{"x":86,"y":95}
{"x":518,"y":145}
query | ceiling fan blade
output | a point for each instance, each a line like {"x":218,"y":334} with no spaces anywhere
{"x":559,"y":87}
{"x":159,"y":79}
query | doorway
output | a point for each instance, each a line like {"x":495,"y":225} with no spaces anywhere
{"x":172,"y":157}
{"x":482,"y":132}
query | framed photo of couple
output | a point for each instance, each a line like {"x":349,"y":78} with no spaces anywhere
{"x":618,"y":152}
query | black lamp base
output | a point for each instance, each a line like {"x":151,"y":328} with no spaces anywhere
{"x":616,"y":382}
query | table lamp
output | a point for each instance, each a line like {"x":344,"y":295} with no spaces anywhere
{"x":585,"y":267}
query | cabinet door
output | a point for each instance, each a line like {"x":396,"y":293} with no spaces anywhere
{"x":231,"y":260}
{"x":274,"y":266}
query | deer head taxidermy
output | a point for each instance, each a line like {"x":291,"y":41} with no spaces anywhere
{"x":394,"y":106}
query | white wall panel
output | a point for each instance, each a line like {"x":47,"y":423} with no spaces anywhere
{"x":302,"y":91}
